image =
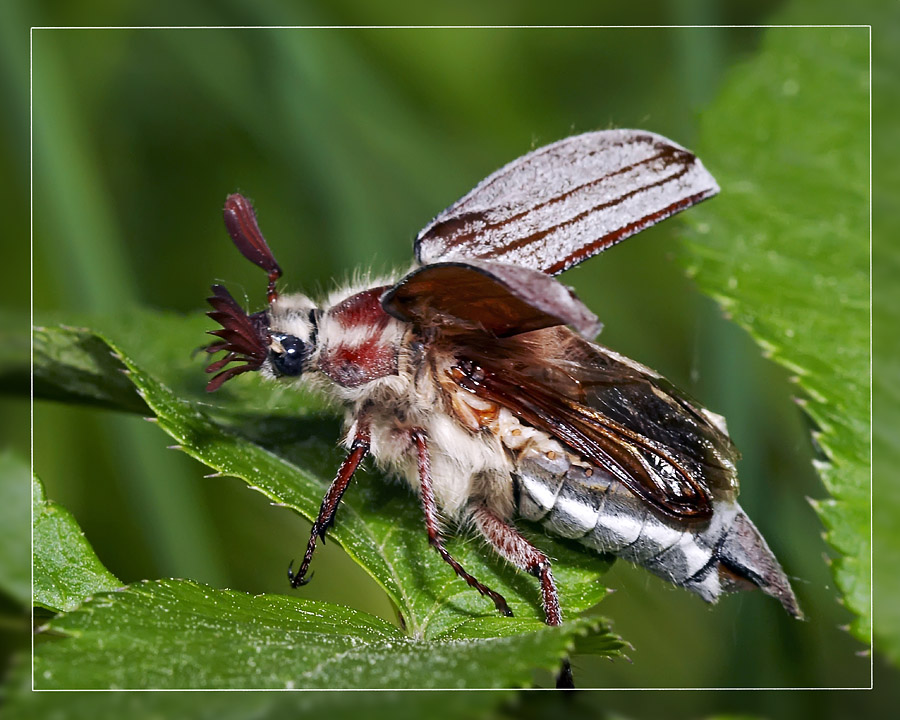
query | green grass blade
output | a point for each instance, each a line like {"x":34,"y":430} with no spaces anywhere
{"x":15,"y":569}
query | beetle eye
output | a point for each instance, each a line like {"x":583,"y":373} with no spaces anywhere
{"x":288,"y":354}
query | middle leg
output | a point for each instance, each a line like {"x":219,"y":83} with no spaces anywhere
{"x":431,"y":522}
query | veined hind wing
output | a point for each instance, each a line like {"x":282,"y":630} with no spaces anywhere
{"x":611,"y":412}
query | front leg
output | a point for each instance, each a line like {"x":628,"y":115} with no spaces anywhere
{"x":358,"y":450}
{"x":431,"y":522}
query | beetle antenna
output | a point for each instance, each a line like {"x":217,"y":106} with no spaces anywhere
{"x":240,"y":220}
{"x":243,"y":337}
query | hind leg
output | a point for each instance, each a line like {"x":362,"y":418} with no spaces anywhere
{"x":514,"y":548}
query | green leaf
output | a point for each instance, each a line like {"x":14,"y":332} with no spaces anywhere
{"x":290,"y":459}
{"x":77,"y":366}
{"x":258,"y":705}
{"x":886,"y":341}
{"x":177,"y":634}
{"x":15,"y":568}
{"x":784,"y":250}
{"x":21,"y":703}
{"x":66,"y":570}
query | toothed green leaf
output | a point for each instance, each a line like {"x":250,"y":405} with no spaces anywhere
{"x":173,"y":634}
{"x":290,"y":458}
{"x":785,"y":251}
{"x":66,"y":570}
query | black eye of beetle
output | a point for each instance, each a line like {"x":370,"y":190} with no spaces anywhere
{"x":290,"y":362}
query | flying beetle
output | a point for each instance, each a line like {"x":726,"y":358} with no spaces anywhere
{"x":475,"y":377}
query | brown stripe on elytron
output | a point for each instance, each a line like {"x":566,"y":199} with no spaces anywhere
{"x":622,"y":233}
{"x":668,"y":155}
{"x":540,"y":234}
{"x":540,"y":152}
{"x":461,"y":218}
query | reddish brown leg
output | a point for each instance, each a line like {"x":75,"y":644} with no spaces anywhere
{"x":510,"y":545}
{"x":358,"y":450}
{"x":507,"y":541}
{"x":431,"y":523}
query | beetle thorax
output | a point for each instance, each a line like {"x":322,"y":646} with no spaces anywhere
{"x":351,"y":343}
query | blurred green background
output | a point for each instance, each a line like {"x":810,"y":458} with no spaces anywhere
{"x":348,"y":141}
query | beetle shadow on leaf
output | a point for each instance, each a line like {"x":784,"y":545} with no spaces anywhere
{"x":303,"y":441}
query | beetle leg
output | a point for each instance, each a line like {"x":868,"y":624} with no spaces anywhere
{"x":358,"y":450}
{"x":514,"y":548}
{"x":431,"y":522}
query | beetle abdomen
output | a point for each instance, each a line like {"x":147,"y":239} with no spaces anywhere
{"x":723,"y":554}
